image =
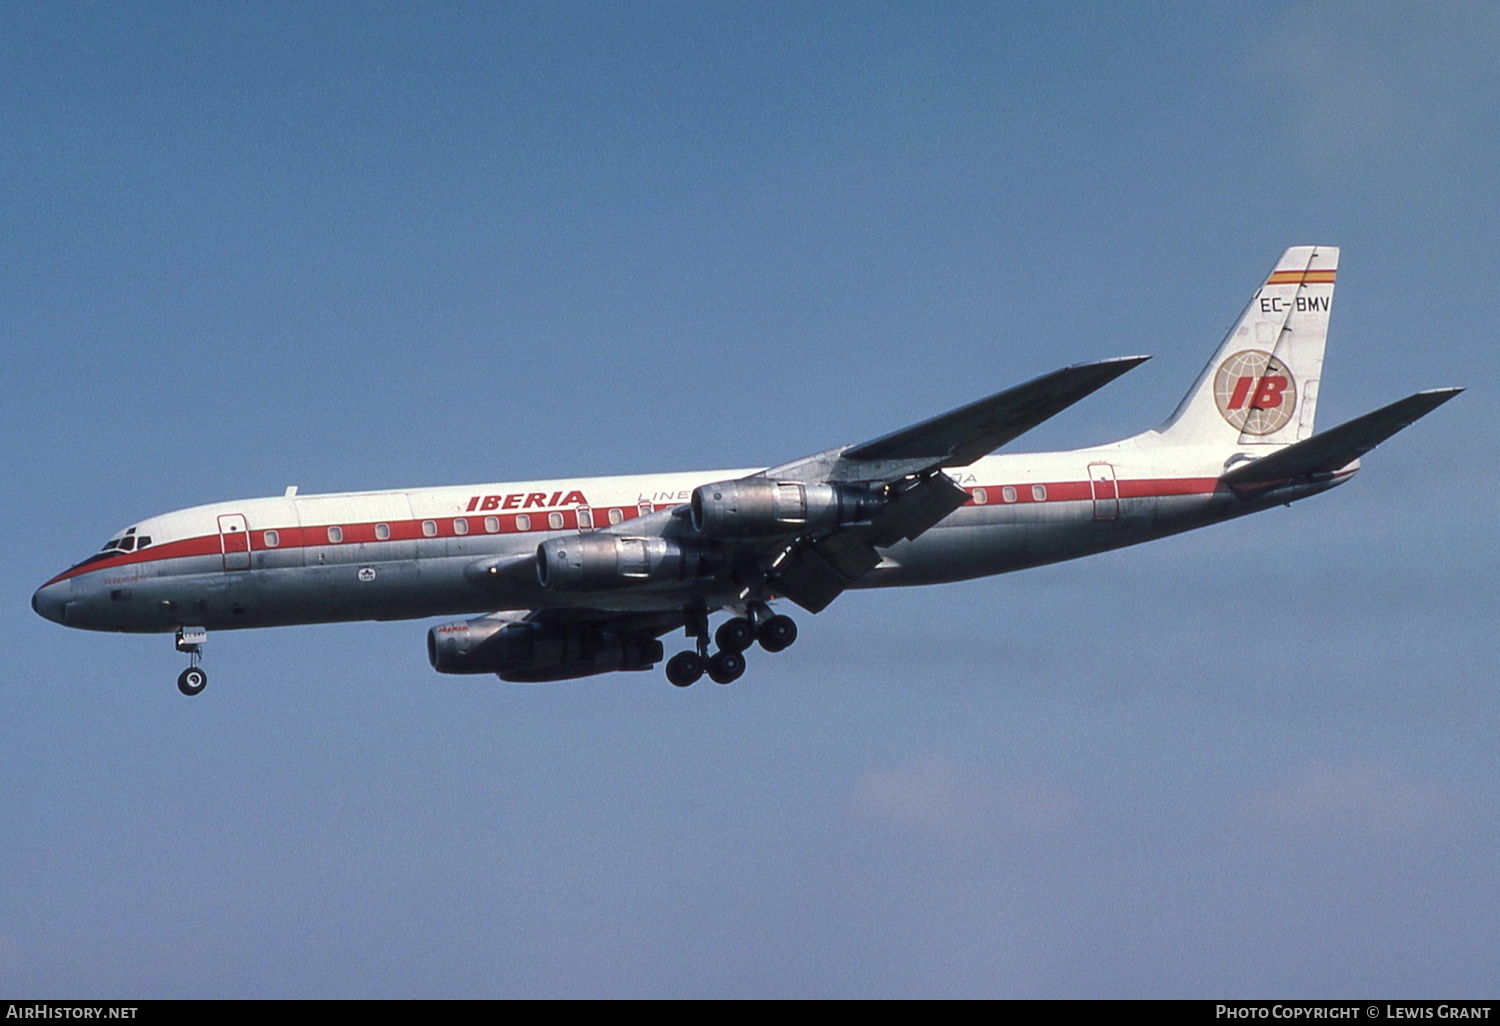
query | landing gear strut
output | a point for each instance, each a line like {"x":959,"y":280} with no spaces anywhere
{"x":193,"y":679}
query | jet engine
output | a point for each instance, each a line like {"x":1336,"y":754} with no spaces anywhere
{"x":594,"y":561}
{"x":759,"y":507}
{"x":526,"y":652}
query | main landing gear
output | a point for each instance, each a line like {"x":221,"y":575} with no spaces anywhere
{"x":194,"y":679}
{"x":774,"y":632}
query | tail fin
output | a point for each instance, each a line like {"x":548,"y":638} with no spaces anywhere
{"x":1261,"y":387}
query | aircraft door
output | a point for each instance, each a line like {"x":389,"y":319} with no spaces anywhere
{"x":234,"y":541}
{"x":1105,"y":490}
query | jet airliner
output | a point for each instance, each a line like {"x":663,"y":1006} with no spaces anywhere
{"x":575,"y":577}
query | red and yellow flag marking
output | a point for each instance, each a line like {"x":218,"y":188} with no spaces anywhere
{"x":1301,"y":277}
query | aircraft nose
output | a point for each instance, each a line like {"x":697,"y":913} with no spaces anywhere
{"x":49,"y":602}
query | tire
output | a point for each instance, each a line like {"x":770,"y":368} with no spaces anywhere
{"x":192,"y":680}
{"x":726,"y":667}
{"x":777,"y":633}
{"x":735,"y":635}
{"x":684,"y":669}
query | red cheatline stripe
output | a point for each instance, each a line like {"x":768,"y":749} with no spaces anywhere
{"x":308,"y":537}
{"x":411,"y":530}
{"x":1301,"y":278}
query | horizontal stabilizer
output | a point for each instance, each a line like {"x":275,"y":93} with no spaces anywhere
{"x":1336,"y":448}
{"x":961,"y":436}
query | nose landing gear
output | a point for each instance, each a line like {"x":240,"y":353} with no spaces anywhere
{"x":194,"y":679}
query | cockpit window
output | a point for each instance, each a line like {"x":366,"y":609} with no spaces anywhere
{"x":142,"y":542}
{"x":111,"y":544}
{"x":127,"y":544}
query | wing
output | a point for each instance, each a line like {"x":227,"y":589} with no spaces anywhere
{"x":959,"y":437}
{"x":805,"y":530}
{"x":906,"y":469}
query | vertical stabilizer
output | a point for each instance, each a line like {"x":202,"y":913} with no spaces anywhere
{"x":1261,"y":387}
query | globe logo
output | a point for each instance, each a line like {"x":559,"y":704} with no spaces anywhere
{"x":1255,"y":392}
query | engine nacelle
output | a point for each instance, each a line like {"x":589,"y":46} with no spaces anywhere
{"x":595,"y":561}
{"x":526,"y":653}
{"x":759,"y":507}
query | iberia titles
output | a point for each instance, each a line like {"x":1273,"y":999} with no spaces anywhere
{"x":525,"y":500}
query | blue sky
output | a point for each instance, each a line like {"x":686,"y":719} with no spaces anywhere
{"x":359,"y":246}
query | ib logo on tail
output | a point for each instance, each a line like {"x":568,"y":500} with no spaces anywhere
{"x":1255,"y":392}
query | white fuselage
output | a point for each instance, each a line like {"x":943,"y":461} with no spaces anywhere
{"x":302,"y":559}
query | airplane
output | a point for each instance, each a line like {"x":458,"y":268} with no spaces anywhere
{"x":583,"y":576}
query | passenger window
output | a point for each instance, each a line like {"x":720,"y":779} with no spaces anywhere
{"x":1039,"y":493}
{"x":272,"y":539}
{"x":980,"y":497}
{"x":523,"y":522}
{"x":429,"y":528}
{"x":382,"y":532}
{"x":491,"y":524}
{"x":1008,"y":494}
{"x":644,"y":508}
{"x":335,"y":534}
{"x":616,"y":515}
{"x":585,"y":518}
{"x":460,"y":526}
{"x":555,"y":521}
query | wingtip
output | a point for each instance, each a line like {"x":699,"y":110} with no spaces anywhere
{"x":1125,"y":363}
{"x":1435,"y":397}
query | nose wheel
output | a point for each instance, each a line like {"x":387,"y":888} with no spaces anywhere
{"x":194,"y":679}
